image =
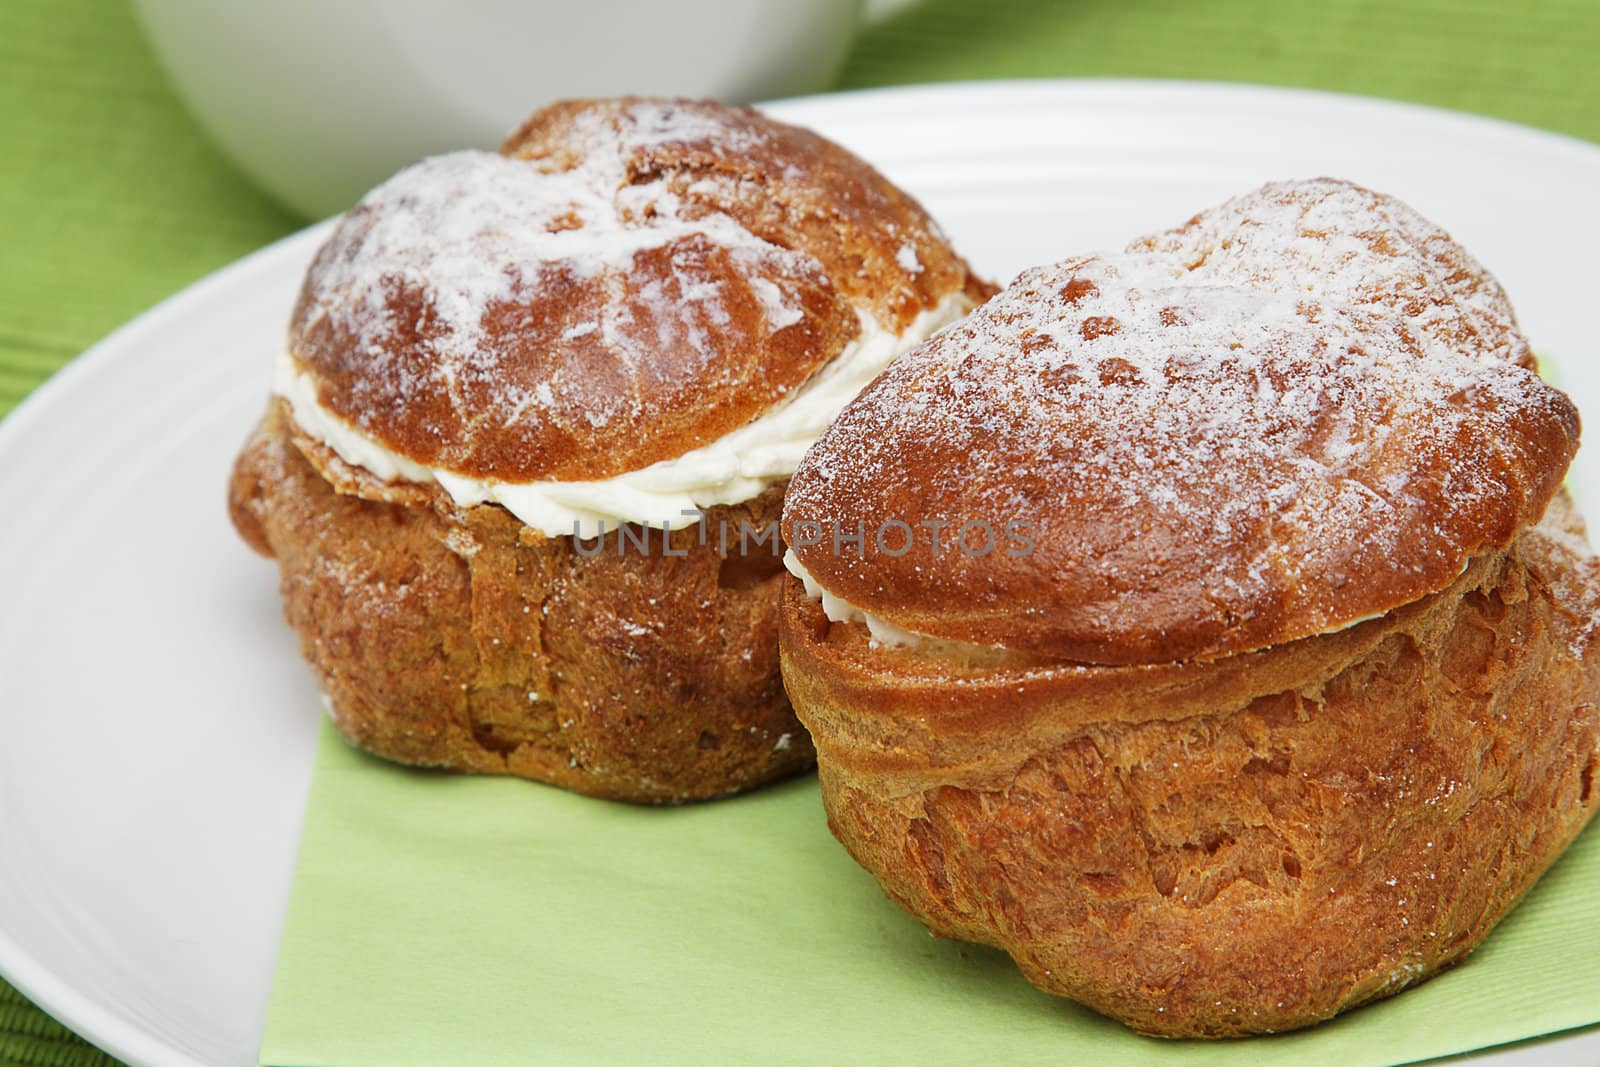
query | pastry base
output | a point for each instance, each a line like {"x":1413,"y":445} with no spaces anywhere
{"x":1236,"y":846}
{"x":460,"y":638}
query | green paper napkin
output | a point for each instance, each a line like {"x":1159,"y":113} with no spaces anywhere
{"x":437,"y":919}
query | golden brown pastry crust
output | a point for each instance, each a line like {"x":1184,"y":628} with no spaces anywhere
{"x":1236,"y":846}
{"x":1302,"y":408}
{"x":625,"y":281}
{"x":606,"y":349}
{"x":1291,"y":701}
{"x":458,"y":638}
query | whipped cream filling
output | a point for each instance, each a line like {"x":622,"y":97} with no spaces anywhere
{"x":734,"y":468}
{"x":887,"y":634}
{"x":884,"y":633}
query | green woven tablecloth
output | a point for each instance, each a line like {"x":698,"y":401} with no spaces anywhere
{"x":110,"y":197}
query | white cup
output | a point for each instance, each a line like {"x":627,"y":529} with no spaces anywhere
{"x":319,"y":100}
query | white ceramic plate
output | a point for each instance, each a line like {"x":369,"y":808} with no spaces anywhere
{"x":157,"y":729}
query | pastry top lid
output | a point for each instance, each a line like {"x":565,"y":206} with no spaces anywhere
{"x":1299,"y":409}
{"x":625,"y":281}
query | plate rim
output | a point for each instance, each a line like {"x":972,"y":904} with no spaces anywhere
{"x":86,"y":1017}
{"x":1191,"y":88}
{"x":40,"y":984}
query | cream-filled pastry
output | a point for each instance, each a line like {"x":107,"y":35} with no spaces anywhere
{"x":532,"y":426}
{"x":1256,"y":677}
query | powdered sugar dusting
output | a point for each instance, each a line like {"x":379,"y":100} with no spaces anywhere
{"x":440,"y":222}
{"x":1307,"y":385}
{"x":476,"y":232}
